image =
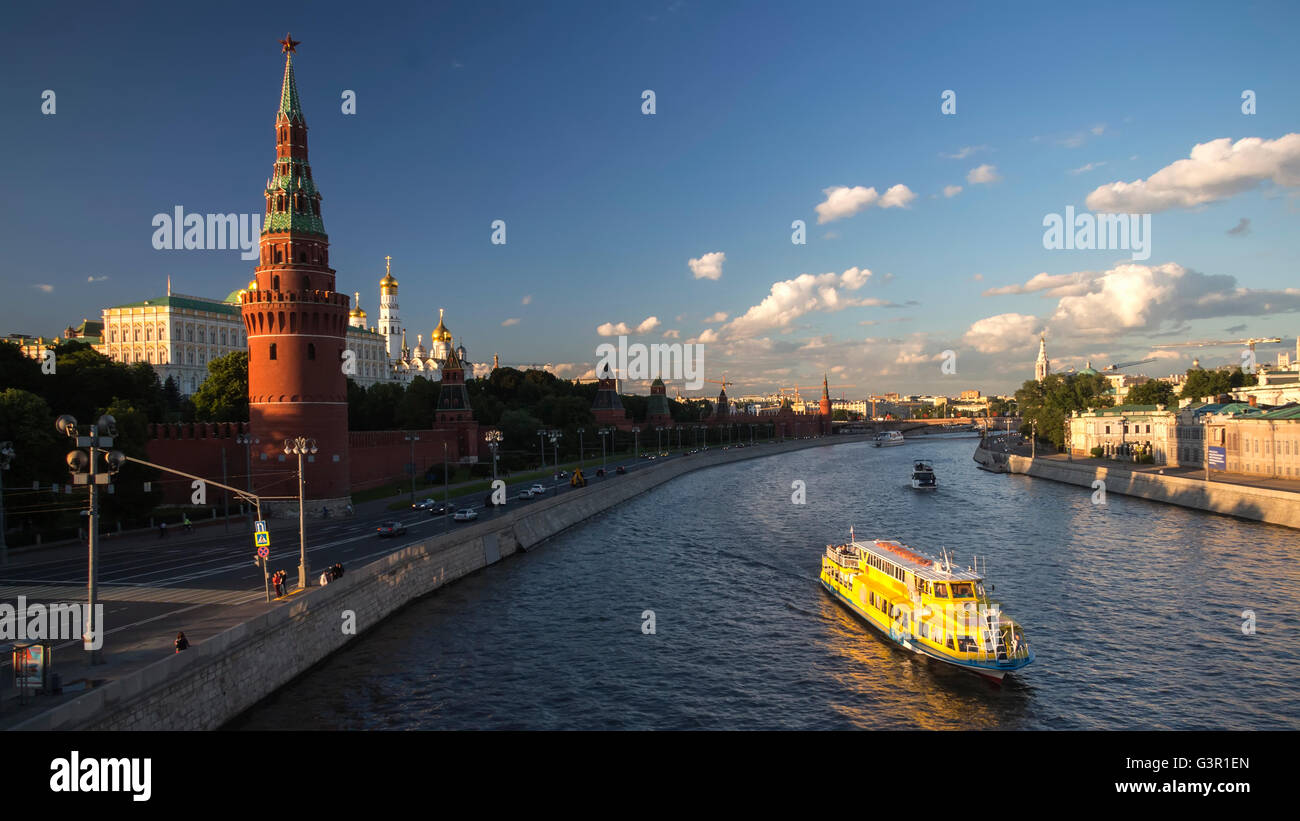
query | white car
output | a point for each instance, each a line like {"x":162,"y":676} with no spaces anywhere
{"x":465,"y":514}
{"x":536,"y":490}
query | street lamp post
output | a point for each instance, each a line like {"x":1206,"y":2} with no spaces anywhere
{"x":446,"y":489}
{"x":493,"y":439}
{"x":412,"y":438}
{"x":6,"y":456}
{"x":581,"y":463}
{"x":636,"y":443}
{"x":541,"y":445}
{"x":659,"y":439}
{"x":84,"y":470}
{"x":300,"y":447}
{"x":248,"y":440}
{"x":603,"y":433}
{"x":555,"y":437}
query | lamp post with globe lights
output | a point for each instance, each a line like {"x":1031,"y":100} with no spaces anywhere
{"x":300,"y":447}
{"x":85,"y":471}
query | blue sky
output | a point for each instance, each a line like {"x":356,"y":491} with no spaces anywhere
{"x":468,"y":113}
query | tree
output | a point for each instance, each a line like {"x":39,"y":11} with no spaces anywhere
{"x":223,"y":396}
{"x":1046,"y":404}
{"x":1202,"y":383}
{"x":1155,"y":392}
{"x":27,"y":421}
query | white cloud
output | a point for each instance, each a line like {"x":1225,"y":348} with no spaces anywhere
{"x":951,"y":190}
{"x":1098,"y":130}
{"x":708,"y":266}
{"x":527,"y":299}
{"x":1214,"y":171}
{"x":40,"y":286}
{"x":509,"y":322}
{"x":709,"y":335}
{"x":964,"y":152}
{"x":978,"y":277}
{"x":622,"y":329}
{"x":983,"y":174}
{"x":93,"y":278}
{"x":1083,"y":169}
{"x":1002,"y":333}
{"x":792,"y":298}
{"x":1131,"y":298}
{"x":842,"y":201}
{"x":673,"y":334}
{"x":720,"y":316}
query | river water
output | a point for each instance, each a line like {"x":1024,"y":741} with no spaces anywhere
{"x":1134,"y":610}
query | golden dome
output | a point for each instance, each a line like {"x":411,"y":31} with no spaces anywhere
{"x":357,"y":313}
{"x":440,"y":333}
{"x":252,"y":285}
{"x":388,"y":284}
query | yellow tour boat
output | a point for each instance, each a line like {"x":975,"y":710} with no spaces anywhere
{"x":923,"y":604}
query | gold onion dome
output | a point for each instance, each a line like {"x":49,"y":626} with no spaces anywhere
{"x":356,"y":312}
{"x":389,"y":283}
{"x":440,"y":333}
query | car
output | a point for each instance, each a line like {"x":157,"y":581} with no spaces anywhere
{"x":438,"y":509}
{"x":600,"y":472}
{"x":465,"y":514}
{"x":425,"y":505}
{"x":561,"y":475}
{"x":538,"y":490}
{"x":390,"y":529}
{"x":620,"y":470}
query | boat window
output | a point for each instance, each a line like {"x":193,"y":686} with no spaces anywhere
{"x":941,"y":591}
{"x":961,"y":591}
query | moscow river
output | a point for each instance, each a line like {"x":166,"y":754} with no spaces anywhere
{"x":1134,"y":610}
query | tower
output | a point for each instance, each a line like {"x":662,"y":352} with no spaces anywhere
{"x":657,"y":410}
{"x":453,"y":398}
{"x":607,"y":407}
{"x":440,"y":340}
{"x":1041,"y":365}
{"x":824,"y":409}
{"x":390,"y":327}
{"x":296,"y":324}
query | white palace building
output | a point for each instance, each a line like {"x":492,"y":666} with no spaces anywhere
{"x":180,"y":334}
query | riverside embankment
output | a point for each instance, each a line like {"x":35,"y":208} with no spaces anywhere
{"x":1263,"y":504}
{"x":219,"y":678}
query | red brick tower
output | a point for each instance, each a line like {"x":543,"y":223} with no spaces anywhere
{"x":824,"y":409}
{"x":297,"y":327}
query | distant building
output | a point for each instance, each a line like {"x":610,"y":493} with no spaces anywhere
{"x":1042,"y":367}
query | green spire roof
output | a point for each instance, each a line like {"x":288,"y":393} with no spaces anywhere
{"x":289,"y":105}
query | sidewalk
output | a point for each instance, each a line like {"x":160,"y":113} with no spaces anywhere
{"x":1216,"y":476}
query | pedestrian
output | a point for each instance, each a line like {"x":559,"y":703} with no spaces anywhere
{"x":337,"y":570}
{"x":325,"y":577}
{"x":181,"y":642}
{"x":162,"y":530}
{"x":186,"y":521}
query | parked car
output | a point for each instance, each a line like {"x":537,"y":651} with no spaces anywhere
{"x":465,"y":514}
{"x":391,"y":529}
{"x":620,"y":470}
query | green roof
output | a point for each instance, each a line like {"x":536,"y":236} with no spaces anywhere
{"x":1291,"y":412}
{"x":1122,"y":409}
{"x":184,"y":303}
{"x":289,"y":104}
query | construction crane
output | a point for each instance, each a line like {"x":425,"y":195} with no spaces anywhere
{"x":1114,"y":366}
{"x":724,"y":382}
{"x":1211,"y":343}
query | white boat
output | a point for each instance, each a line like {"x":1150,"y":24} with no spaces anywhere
{"x":888,"y":438}
{"x":923,"y":475}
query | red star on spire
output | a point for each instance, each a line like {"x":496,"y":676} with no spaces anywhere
{"x":288,"y":44}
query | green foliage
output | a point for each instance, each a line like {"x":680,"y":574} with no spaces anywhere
{"x":27,"y":421}
{"x":1046,"y":404}
{"x":1202,"y":383}
{"x":129,"y":501}
{"x":1097,"y":452}
{"x":223,"y":396}
{"x":1155,"y":392}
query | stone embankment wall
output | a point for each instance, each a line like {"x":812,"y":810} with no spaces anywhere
{"x":211,"y":683}
{"x":1278,"y":507}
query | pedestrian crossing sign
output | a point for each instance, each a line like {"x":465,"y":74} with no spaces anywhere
{"x":262,"y":539}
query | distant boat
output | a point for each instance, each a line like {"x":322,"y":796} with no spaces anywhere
{"x":923,"y":475}
{"x":888,"y":439}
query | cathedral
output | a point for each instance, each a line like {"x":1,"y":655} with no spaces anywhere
{"x":405,"y":362}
